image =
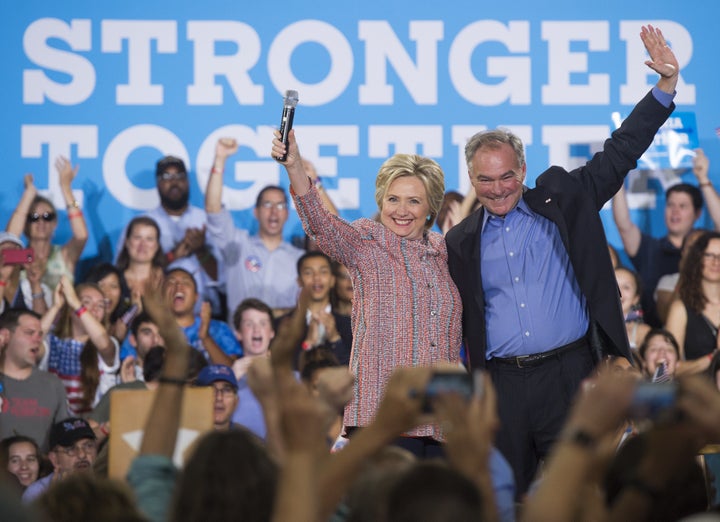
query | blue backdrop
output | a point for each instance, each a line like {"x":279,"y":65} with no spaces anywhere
{"x":114,"y":87}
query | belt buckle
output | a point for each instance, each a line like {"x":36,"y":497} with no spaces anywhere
{"x":519,"y":359}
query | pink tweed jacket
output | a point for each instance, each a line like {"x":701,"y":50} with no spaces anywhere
{"x":406,"y":308}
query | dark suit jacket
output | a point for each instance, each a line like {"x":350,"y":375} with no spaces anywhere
{"x":572,"y":201}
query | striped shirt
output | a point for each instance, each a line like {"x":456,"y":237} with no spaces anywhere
{"x":64,"y":361}
{"x":406,"y":309}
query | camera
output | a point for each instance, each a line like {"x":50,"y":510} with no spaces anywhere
{"x":443,"y":382}
{"x":653,"y":400}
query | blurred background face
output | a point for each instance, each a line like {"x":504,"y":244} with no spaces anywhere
{"x":94,"y":301}
{"x":272,"y":213}
{"x":679,"y":213}
{"x":142,"y":243}
{"x":23,"y":462}
{"x":41,"y":221}
{"x":255,"y":332}
{"x":226,"y":401}
{"x":343,"y":284}
{"x":110,"y":286}
{"x":180,"y":292}
{"x":175,"y":191}
{"x":148,"y":336}
{"x":660,"y":350}
{"x":316,"y":278}
{"x":79,"y":457}
{"x":711,"y":261}
{"x":628,"y":289}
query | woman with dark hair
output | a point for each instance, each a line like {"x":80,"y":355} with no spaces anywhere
{"x":23,"y":458}
{"x":120,"y":309}
{"x":79,"y":349}
{"x":660,"y":354}
{"x":141,"y":260}
{"x":694,"y":318}
{"x":37,"y":217}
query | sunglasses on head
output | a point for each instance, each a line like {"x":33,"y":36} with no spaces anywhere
{"x":45,"y":216}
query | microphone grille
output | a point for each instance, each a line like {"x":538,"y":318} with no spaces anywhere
{"x":291,"y":98}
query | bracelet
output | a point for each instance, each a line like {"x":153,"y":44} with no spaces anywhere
{"x":74,"y":204}
{"x":75,"y":213}
{"x":710,"y":355}
{"x":80,"y":311}
{"x":706,"y":184}
{"x":170,"y":256}
{"x":172,"y":380}
{"x":39,"y":295}
{"x":203,"y":257}
{"x":215,"y":170}
{"x":305,"y":346}
{"x":3,"y":283}
{"x":104,"y":430}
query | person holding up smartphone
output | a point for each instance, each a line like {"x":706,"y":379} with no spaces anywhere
{"x":17,"y":292}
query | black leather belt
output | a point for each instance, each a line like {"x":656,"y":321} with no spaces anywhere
{"x":536,"y":359}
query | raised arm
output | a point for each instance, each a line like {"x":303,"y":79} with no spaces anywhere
{"x":75,"y":245}
{"x":313,"y":175}
{"x":224,"y":148}
{"x":293,"y":164}
{"x":629,"y":231}
{"x":16,"y":225}
{"x":701,"y":169}
{"x":49,"y":316}
{"x":163,"y":422}
{"x":662,"y":59}
{"x":96,"y":331}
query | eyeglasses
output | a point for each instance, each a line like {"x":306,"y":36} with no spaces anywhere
{"x":73,"y":451}
{"x":171,"y":176}
{"x":224,"y":391}
{"x":269,"y":204}
{"x":709,"y":256}
{"x":45,"y":216}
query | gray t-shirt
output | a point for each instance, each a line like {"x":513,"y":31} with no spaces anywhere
{"x":31,"y":406}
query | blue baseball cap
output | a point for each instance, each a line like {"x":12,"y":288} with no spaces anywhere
{"x":216,"y":372}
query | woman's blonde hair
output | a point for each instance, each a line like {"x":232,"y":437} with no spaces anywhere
{"x":425,"y":169}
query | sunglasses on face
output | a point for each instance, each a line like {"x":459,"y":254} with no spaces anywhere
{"x":171,"y":176}
{"x":45,"y":216}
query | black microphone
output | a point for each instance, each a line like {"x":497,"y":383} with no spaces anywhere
{"x":290,"y":102}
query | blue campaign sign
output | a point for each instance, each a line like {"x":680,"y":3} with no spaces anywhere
{"x":116,"y":86}
{"x":674,"y":143}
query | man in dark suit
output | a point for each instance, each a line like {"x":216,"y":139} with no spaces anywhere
{"x":541,"y":305}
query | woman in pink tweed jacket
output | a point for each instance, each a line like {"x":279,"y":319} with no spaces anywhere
{"x":406,"y":309}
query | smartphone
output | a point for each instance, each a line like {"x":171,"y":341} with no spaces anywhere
{"x":446,"y":382}
{"x":653,"y":399}
{"x":17,"y":257}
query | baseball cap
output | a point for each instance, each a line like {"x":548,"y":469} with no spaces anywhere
{"x":66,"y":433}
{"x":11,"y":238}
{"x":169,"y":161}
{"x":216,"y":372}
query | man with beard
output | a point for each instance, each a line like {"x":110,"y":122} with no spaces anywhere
{"x":182,"y":231}
{"x":73,"y":449}
{"x":261,"y":265}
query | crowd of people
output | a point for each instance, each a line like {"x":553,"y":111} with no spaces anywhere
{"x":594,"y":386}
